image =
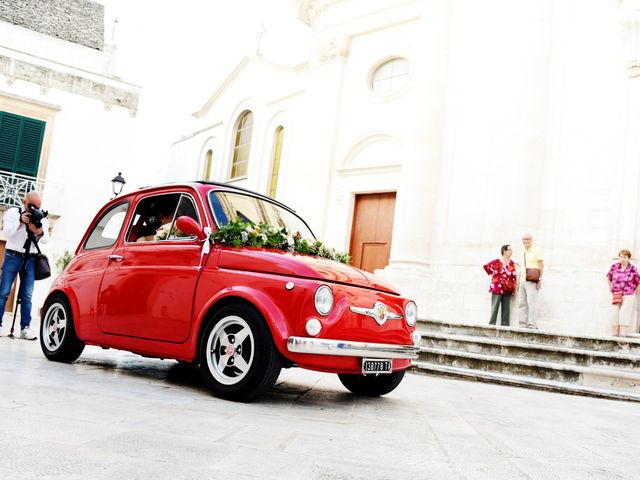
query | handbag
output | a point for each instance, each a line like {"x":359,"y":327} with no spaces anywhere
{"x":43,"y":269}
{"x":617,"y":298}
{"x":531,"y":274}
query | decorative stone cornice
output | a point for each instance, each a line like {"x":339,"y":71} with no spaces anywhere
{"x":330,"y":48}
{"x":77,"y":83}
{"x":308,"y":10}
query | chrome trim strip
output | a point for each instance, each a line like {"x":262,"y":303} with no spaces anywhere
{"x":345,"y":348}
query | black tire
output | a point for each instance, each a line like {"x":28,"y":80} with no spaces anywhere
{"x":371,"y":385}
{"x":238,"y":371}
{"x":58,"y":338}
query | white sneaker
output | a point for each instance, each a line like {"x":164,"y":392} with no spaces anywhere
{"x":27,"y":334}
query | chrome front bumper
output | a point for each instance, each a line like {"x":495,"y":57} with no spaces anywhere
{"x":345,"y":348}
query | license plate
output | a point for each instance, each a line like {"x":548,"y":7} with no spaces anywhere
{"x":376,"y":365}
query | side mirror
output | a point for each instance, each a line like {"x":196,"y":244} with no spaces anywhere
{"x":189,"y":226}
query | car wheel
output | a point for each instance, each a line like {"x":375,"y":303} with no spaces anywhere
{"x":371,"y":385}
{"x":58,"y":338}
{"x":238,"y":358}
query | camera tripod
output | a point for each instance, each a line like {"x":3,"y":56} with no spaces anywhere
{"x":31,"y":239}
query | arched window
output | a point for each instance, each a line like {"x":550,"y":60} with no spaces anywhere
{"x":275,"y":161}
{"x":390,"y":77}
{"x":242,"y":145}
{"x":208,"y":161}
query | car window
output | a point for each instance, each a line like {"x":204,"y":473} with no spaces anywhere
{"x":107,"y":230}
{"x":186,"y":208}
{"x":229,"y":206}
{"x":153,"y":218}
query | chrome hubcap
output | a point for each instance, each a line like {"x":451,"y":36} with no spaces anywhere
{"x":54,"y":327}
{"x":230,"y":350}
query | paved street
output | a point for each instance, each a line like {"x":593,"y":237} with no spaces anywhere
{"x":117,"y":415}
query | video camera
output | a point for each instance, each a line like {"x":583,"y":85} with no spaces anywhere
{"x":35,"y":215}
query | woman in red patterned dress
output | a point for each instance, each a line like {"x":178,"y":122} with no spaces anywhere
{"x":503,"y":284}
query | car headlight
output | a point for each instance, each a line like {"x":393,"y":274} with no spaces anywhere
{"x":324,"y":300}
{"x":411,"y":313}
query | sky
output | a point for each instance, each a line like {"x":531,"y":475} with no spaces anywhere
{"x":180,"y":51}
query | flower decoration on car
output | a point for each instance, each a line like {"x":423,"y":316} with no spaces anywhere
{"x":238,"y":233}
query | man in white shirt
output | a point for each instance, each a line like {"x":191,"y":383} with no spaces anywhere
{"x":529,"y":289}
{"x":15,"y":225}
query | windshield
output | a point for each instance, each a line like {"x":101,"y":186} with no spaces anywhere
{"x":229,"y":206}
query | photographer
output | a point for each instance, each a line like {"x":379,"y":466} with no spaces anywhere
{"x":18,"y":226}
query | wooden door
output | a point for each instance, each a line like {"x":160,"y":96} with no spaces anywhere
{"x":371,"y":231}
{"x":9,"y":305}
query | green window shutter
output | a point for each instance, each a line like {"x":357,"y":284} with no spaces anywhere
{"x":28,"y":157}
{"x":20,"y":143}
{"x":10,"y":126}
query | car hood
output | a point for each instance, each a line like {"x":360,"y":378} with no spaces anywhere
{"x":297,"y":265}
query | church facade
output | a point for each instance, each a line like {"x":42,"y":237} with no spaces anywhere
{"x":421,"y":136}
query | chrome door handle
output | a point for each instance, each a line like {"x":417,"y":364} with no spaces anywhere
{"x":116,"y":258}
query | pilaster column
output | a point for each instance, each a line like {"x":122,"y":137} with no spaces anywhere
{"x":418,"y":190}
{"x":628,"y":204}
{"x":311,"y":174}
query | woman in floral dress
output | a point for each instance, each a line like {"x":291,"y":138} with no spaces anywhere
{"x":503,"y":284}
{"x":623,"y":278}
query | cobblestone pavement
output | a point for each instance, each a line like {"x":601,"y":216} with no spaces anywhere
{"x":117,"y":415}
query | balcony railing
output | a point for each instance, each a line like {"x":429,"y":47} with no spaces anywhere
{"x":14,"y":187}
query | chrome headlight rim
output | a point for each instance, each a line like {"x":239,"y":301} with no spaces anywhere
{"x":411,"y":313}
{"x":321,"y":303}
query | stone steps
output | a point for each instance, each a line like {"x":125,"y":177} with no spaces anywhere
{"x":603,"y":344}
{"x":519,"y":381}
{"x":543,"y":352}
{"x":606,"y":367}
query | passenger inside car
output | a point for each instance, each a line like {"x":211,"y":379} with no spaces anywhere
{"x":153,"y":218}
{"x":162,"y":233}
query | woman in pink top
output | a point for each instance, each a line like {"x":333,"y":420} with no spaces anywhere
{"x":623,"y":277}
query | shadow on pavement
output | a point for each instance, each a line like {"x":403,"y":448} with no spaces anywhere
{"x":187,"y":375}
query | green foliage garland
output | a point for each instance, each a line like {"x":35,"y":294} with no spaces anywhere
{"x":239,"y":233}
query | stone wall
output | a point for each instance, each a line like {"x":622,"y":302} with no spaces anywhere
{"x":77,"y":21}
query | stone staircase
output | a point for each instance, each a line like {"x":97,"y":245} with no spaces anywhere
{"x":606,"y":367}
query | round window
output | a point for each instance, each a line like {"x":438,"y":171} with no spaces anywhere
{"x":390,"y":77}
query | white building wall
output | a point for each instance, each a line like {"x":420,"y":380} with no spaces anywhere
{"x":518,"y":117}
{"x":534,"y":142}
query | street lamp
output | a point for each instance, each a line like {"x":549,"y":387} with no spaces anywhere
{"x":117,"y":183}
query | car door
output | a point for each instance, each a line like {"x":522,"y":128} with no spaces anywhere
{"x":149,"y":285}
{"x":84,"y":276}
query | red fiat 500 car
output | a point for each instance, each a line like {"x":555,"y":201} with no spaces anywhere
{"x":147,"y":279}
